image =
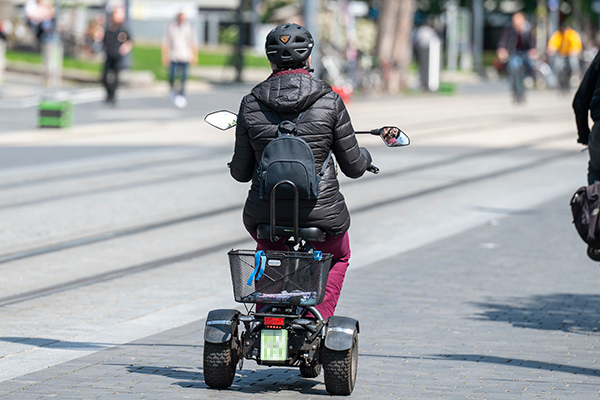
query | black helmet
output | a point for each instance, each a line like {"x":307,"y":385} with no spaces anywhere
{"x":289,"y":45}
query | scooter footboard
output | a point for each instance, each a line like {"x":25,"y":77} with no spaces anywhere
{"x":220,"y":325}
{"x":339,"y":333}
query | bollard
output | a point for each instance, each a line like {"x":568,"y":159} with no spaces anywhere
{"x":434,"y":64}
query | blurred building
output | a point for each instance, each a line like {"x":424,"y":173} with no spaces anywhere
{"x":148,"y":18}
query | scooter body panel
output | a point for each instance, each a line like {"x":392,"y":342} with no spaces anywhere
{"x":220,"y":325}
{"x":339,"y":333}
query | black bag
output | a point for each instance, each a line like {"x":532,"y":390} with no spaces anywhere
{"x":585,"y":207}
{"x":289,"y":158}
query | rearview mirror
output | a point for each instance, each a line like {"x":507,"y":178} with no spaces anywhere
{"x":393,"y":136}
{"x":222,"y":120}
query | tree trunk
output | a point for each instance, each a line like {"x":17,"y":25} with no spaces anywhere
{"x":5,"y":9}
{"x":394,"y":43}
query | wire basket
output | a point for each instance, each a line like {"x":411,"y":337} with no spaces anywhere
{"x":279,"y":277}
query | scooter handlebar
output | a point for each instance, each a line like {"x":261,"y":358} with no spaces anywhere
{"x":373,"y":169}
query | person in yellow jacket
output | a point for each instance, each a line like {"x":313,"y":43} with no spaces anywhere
{"x":565,"y":43}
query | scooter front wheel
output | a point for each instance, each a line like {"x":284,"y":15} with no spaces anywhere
{"x":340,"y":369}
{"x":219,"y":364}
{"x":310,"y":371}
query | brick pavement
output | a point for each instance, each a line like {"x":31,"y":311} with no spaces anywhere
{"x":506,"y":310}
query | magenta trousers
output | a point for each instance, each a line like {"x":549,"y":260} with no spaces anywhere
{"x":339,"y":246}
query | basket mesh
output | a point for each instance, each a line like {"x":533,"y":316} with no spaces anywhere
{"x":288,"y":278}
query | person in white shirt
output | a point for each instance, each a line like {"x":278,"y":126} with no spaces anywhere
{"x":179,"y":49}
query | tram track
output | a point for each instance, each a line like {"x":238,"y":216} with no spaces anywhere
{"x":110,"y":275}
{"x":140,"y":166}
{"x":431,"y":131}
{"x":114,"y":234}
{"x":193,"y":175}
{"x":104,"y":236}
{"x":110,"y":189}
{"x":114,"y":274}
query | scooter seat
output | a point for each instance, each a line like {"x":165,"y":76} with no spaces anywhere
{"x":310,"y":234}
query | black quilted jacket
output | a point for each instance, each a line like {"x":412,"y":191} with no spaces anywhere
{"x":326,"y":126}
{"x":587,"y":99}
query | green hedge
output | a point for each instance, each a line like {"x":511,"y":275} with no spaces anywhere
{"x":145,"y":58}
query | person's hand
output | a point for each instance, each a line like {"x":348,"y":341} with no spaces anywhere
{"x":502,"y":54}
{"x":194,"y":59}
{"x":532,"y":53}
{"x":125,"y":48}
{"x":365,"y":153}
{"x":582,"y":141}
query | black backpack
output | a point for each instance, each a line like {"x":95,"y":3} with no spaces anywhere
{"x":289,"y":158}
{"x":585,"y":207}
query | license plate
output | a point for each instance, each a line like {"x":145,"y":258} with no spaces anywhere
{"x":273,"y":344}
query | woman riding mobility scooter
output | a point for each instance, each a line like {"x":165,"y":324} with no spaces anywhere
{"x":280,"y":289}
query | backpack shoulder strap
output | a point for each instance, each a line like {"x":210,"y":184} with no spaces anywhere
{"x":301,"y":115}
{"x":325,"y":163}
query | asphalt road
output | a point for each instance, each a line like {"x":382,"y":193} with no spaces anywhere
{"x":467,"y":276}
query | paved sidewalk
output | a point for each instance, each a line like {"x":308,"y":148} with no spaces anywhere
{"x":506,"y":310}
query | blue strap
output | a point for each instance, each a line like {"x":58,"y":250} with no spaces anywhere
{"x":318,"y":255}
{"x":263,"y":263}
{"x":260,"y":260}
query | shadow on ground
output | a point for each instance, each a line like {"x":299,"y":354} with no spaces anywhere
{"x":505,"y":361}
{"x":516,"y":362}
{"x":576,"y":313}
{"x":70,"y":345}
{"x":246,"y":381}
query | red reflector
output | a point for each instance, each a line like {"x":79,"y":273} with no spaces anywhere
{"x":270,"y":321}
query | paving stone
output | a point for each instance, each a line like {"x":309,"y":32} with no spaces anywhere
{"x":450,"y":320}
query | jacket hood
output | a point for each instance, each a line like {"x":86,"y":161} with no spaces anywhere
{"x":291,"y":93}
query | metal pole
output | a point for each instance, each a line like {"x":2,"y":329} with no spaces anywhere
{"x":239,"y":53}
{"x":311,"y":11}
{"x":255,"y":23}
{"x":451,"y":35}
{"x":478,"y":35}
{"x":127,"y":58}
{"x":554,"y":16}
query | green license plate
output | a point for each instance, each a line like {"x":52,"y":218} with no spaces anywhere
{"x":273,"y":344}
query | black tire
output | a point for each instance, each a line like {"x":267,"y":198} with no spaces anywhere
{"x":219,"y":365}
{"x":310,"y":371}
{"x":340,"y":368}
{"x":593,"y":253}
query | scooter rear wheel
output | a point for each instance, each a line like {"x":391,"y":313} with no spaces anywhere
{"x":340,"y":369}
{"x":219,"y":365}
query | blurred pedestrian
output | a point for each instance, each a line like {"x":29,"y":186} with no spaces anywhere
{"x":47,"y":20}
{"x":32,"y":17}
{"x":587,"y":99}
{"x":519,"y":37}
{"x":565,"y":44}
{"x":94,"y":36}
{"x":40,"y":17}
{"x":179,"y":49}
{"x":424,"y":36}
{"x":5,"y":29}
{"x":117,"y":44}
{"x":516,"y":49}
